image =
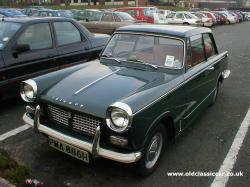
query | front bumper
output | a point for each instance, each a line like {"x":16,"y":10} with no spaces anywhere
{"x":93,"y":148}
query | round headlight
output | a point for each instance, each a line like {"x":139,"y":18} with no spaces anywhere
{"x":119,"y":118}
{"x":28,"y":90}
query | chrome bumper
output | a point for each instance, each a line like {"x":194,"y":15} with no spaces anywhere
{"x":226,"y":73}
{"x":94,"y":148}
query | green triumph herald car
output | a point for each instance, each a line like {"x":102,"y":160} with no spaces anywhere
{"x":150,"y":83}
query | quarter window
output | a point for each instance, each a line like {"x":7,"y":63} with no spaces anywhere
{"x":37,"y":36}
{"x":108,"y":17}
{"x":209,"y":45}
{"x":66,"y":33}
{"x":179,"y":16}
{"x":197,"y":50}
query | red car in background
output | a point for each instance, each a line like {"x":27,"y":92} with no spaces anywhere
{"x":210,"y":15}
{"x":143,"y":14}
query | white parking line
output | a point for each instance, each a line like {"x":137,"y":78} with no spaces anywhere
{"x":13,"y":132}
{"x":231,"y":157}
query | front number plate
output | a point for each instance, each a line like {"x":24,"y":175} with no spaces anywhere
{"x":69,"y":149}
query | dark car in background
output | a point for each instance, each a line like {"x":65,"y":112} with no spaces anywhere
{"x":10,"y":12}
{"x":35,"y":46}
{"x":46,"y":13}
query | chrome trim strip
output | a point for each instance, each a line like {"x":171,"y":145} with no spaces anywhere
{"x":90,"y":84}
{"x":105,"y":153}
{"x":184,"y":82}
{"x":199,"y":104}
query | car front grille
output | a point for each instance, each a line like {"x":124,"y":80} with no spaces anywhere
{"x":80,"y":122}
{"x":58,"y":115}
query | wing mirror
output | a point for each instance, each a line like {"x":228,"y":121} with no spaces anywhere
{"x":20,"y":48}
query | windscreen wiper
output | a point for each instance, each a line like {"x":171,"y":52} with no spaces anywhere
{"x":141,"y":62}
{"x":111,"y":58}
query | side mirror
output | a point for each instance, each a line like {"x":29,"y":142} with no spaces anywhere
{"x":20,"y":48}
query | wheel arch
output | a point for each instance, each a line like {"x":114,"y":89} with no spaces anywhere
{"x":167,"y":120}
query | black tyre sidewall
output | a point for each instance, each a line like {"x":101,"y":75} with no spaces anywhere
{"x":142,"y":170}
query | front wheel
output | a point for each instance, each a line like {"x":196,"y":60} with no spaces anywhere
{"x":152,"y":152}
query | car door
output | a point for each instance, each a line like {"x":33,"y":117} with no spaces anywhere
{"x":92,"y":23}
{"x":73,"y":47}
{"x":36,"y":59}
{"x":107,"y":23}
{"x":199,"y":78}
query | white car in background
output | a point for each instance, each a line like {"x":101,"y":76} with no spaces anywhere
{"x":164,"y":12}
{"x":207,"y":22}
{"x":159,"y":18}
{"x":185,"y":18}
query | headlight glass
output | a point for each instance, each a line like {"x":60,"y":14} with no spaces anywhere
{"x":119,"y":118}
{"x":28,"y":90}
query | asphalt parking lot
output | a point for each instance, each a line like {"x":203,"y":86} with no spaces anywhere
{"x":203,"y":147}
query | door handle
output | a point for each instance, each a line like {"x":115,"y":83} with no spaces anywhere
{"x":211,"y":68}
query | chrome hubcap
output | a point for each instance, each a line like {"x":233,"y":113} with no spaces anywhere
{"x":154,"y":150}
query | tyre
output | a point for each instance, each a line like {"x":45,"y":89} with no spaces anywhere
{"x":215,"y":95}
{"x":186,"y":23}
{"x":153,"y":152}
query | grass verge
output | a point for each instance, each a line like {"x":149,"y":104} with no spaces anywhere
{"x":11,"y":171}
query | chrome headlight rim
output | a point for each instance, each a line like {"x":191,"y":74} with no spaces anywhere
{"x":122,"y":107}
{"x":33,"y":85}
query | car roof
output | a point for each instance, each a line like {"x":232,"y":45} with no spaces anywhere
{"x":35,"y":19}
{"x":173,"y":30}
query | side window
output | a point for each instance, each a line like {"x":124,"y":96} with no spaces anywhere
{"x":197,"y":50}
{"x":117,"y":19}
{"x":95,"y":17}
{"x":108,"y":17}
{"x":137,"y":13}
{"x":131,"y":12}
{"x":179,"y":16}
{"x":209,"y":45}
{"x":37,"y":36}
{"x":188,"y":16}
{"x":170,"y":15}
{"x":66,"y":33}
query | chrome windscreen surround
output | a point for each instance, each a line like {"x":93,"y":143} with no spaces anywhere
{"x":93,"y":148}
{"x":33,"y":84}
{"x":124,"y":107}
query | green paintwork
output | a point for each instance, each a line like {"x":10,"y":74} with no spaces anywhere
{"x":152,"y":94}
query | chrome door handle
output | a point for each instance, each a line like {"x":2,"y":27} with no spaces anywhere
{"x":211,"y":68}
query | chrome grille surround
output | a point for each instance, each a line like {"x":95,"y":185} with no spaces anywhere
{"x":80,"y":122}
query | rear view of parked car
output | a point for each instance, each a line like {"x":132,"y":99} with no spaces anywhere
{"x":31,"y":47}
